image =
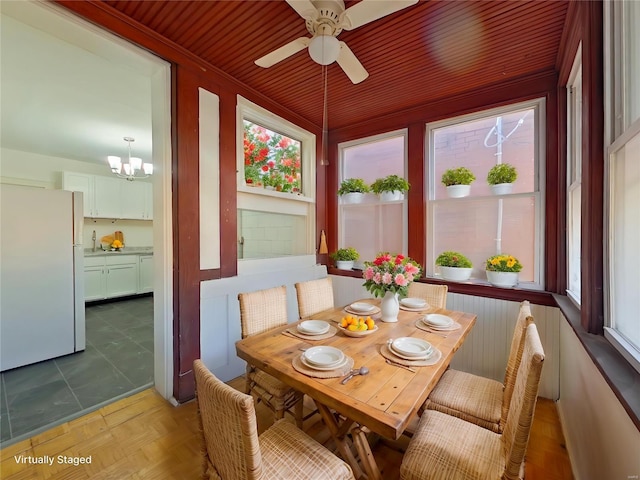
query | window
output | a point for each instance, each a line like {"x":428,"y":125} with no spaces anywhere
{"x":483,"y":224}
{"x":276,"y":186}
{"x":622,"y":129}
{"x":373,"y":225}
{"x":574,"y":177}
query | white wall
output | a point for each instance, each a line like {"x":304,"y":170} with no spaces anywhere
{"x":602,"y":441}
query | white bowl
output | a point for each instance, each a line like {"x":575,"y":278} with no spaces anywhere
{"x":340,"y":364}
{"x":437,"y":320}
{"x":362,"y":307}
{"x":411,"y":347}
{"x":313,"y":327}
{"x":413,"y":302}
{"x":323,"y":356}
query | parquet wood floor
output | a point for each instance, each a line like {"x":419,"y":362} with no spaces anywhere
{"x":144,"y":437}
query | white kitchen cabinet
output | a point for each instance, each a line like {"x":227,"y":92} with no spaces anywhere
{"x":145,"y":274}
{"x":114,"y":275}
{"x":133,"y":198}
{"x":148,"y":200}
{"x":107,"y":197}
{"x":94,"y":279}
{"x":81,"y":182}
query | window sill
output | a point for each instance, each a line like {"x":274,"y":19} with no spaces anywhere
{"x":274,"y":193}
{"x":623,"y":379}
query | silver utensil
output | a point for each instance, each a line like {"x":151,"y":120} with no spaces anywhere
{"x":391,"y":362}
{"x":353,"y":373}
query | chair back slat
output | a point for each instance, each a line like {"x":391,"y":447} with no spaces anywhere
{"x":262,"y":310}
{"x":434,"y":295}
{"x":314,"y":296}
{"x":515,"y":356}
{"x":228,"y":429}
{"x":515,"y":436}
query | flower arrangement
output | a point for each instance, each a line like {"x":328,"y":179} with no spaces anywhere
{"x":503,"y":263}
{"x":502,"y":173}
{"x":348,"y":254}
{"x":271,"y":157}
{"x":390,"y":273}
{"x":117,"y":244}
{"x":457,"y":176}
{"x":453,"y":259}
{"x":353,"y":185}
{"x":390,"y":183}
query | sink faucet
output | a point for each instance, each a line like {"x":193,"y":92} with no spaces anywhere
{"x":93,"y":237}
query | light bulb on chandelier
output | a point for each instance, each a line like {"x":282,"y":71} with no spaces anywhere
{"x":134,"y":168}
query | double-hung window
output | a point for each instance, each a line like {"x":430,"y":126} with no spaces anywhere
{"x":276,"y":186}
{"x":483,"y":223}
{"x":622,"y":185}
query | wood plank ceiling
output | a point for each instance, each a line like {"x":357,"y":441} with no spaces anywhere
{"x":426,"y":52}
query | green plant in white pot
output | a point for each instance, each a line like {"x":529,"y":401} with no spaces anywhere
{"x":458,"y":181}
{"x":344,"y":257}
{"x":353,"y":190}
{"x":454,"y":266}
{"x":501,"y":178}
{"x":390,"y":188}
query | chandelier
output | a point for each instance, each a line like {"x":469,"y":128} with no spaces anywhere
{"x":132,"y":169}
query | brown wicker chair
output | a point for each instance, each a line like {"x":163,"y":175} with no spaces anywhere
{"x":314,"y":296}
{"x":480,"y":400}
{"x":261,"y":311}
{"x":435,"y":295}
{"x":232,"y":449}
{"x":445,"y":447}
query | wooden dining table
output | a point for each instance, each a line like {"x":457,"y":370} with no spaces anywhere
{"x":383,"y":401}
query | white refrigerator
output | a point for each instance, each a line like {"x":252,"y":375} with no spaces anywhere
{"x":41,"y":275}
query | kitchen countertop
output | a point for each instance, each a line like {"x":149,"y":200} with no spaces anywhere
{"x":88,"y":252}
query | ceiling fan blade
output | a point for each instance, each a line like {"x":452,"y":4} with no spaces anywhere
{"x":304,"y":8}
{"x":369,"y":10}
{"x":350,"y":64}
{"x":283,"y":52}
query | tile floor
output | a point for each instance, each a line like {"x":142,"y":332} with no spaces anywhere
{"x":118,"y":360}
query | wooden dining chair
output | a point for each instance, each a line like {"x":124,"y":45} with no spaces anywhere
{"x":434,"y":295}
{"x":232,"y":449}
{"x":477,"y":399}
{"x":314,"y":296}
{"x":259,"y":312}
{"x":446,"y":448}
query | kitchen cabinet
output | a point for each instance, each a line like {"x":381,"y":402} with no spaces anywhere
{"x":80,"y":182}
{"x":107,"y":197}
{"x":145,"y":274}
{"x":137,"y":202}
{"x":115,"y":275}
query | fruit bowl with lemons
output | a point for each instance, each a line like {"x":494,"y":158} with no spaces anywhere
{"x":354,"y":326}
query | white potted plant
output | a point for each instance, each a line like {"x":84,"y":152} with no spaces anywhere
{"x":390,"y":188}
{"x":501,"y":178}
{"x":458,"y":181}
{"x":344,"y":257}
{"x":353,"y":190}
{"x":454,"y":266}
{"x":502,"y":270}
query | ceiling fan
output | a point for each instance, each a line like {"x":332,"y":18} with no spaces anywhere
{"x":325,"y":20}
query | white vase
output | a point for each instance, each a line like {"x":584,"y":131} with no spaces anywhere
{"x":344,"y":264}
{"x":502,"y":279}
{"x":455,"y":274}
{"x":501,"y":188}
{"x":389,"y":306}
{"x":352,"y":197}
{"x":394,"y":196}
{"x":458,"y":191}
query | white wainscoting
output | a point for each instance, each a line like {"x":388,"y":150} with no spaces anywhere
{"x":220,"y":312}
{"x":487,"y":347}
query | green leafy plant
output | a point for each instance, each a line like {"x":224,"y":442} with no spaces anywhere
{"x":503,"y":263}
{"x":353,"y":185}
{"x":457,"y":176}
{"x":347,"y":254}
{"x":390,"y":183}
{"x":502,"y":173}
{"x":453,"y":259}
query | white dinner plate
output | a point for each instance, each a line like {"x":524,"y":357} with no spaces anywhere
{"x":413,"y":302}
{"x":362,"y":307}
{"x":411,"y":347}
{"x":313,"y":327}
{"x":437,"y":320}
{"x":323,"y":356}
{"x":340,"y":364}
{"x":404,"y":357}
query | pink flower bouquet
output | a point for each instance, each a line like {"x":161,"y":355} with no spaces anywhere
{"x":390,"y":273}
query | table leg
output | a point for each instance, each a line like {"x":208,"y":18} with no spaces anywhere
{"x":338,"y":432}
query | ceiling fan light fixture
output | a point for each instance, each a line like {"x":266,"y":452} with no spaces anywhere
{"x":324,"y":49}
